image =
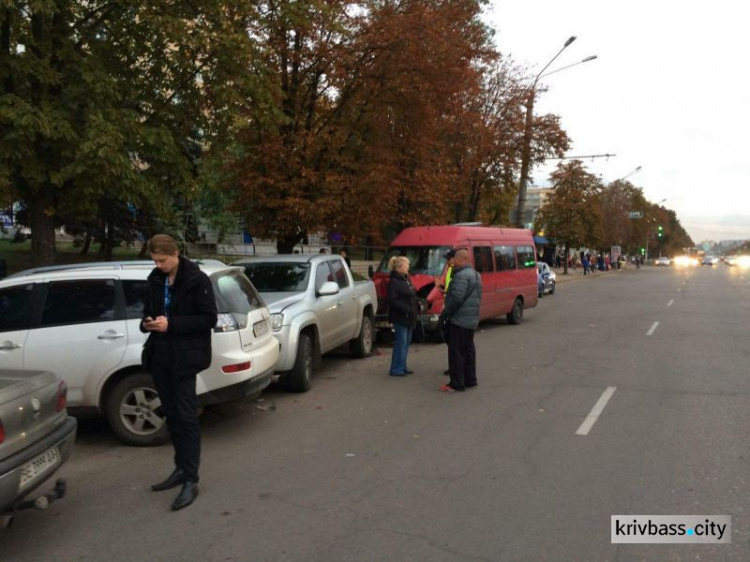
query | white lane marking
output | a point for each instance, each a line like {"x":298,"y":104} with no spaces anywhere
{"x":652,"y":329}
{"x":596,"y":411}
{"x":670,"y":302}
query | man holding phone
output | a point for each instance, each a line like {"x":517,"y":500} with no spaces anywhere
{"x":179,"y":315}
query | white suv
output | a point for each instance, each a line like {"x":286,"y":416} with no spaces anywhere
{"x":82,"y":322}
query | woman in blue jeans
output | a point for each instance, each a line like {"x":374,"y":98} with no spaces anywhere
{"x":403,"y":312}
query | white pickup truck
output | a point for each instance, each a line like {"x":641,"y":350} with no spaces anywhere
{"x":315,"y":306}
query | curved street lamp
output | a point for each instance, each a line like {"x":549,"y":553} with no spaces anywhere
{"x":638,"y":169}
{"x":526,"y":153}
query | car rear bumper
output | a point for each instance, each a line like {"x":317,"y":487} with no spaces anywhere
{"x":243,"y":389}
{"x":261,"y":358}
{"x":10,"y":469}
{"x":429,"y":321}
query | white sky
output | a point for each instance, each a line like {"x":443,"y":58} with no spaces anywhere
{"x":670,"y":92}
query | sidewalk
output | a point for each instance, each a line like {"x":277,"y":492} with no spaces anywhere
{"x":577,"y":274}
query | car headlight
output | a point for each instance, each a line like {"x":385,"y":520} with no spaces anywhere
{"x":276,"y":321}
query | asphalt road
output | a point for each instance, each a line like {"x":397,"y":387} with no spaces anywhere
{"x":370,"y":467}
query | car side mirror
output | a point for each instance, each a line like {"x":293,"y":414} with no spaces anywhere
{"x":370,"y":272}
{"x":328,"y":288}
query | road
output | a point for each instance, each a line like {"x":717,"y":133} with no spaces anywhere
{"x":367,"y":467}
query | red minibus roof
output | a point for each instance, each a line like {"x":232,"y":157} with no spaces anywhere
{"x":451,"y":235}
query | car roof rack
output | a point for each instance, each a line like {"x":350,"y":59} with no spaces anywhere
{"x":76,"y":266}
{"x":105,"y":265}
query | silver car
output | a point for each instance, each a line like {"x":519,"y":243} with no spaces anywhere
{"x":548,"y":278}
{"x":36,"y":438}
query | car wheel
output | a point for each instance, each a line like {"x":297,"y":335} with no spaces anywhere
{"x":134,"y":412}
{"x":552,"y":289}
{"x":362,"y":345}
{"x":516,"y":315}
{"x":299,"y":379}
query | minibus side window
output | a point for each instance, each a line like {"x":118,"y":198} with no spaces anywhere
{"x":505,"y":258}
{"x":483,"y":259}
{"x":526,"y":258}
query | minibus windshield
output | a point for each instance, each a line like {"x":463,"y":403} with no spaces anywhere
{"x":423,"y":260}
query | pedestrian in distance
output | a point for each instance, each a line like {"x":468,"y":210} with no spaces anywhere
{"x":403,"y":312}
{"x":445,"y":283}
{"x":179,"y":315}
{"x":342,"y":253}
{"x":462,"y":304}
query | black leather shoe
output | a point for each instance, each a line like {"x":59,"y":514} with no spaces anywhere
{"x":408,"y":371}
{"x":187,"y":496}
{"x":175,"y":479}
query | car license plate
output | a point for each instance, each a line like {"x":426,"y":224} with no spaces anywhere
{"x":384,"y":324}
{"x":35,"y":468}
{"x":260,"y":328}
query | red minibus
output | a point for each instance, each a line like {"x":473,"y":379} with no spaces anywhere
{"x":504,"y":257}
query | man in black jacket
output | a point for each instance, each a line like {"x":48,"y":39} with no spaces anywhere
{"x":180,"y":313}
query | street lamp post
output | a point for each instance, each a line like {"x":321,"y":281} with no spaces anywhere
{"x":626,"y":176}
{"x":526,"y":153}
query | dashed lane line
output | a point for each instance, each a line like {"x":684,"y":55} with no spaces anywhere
{"x":670,"y":302}
{"x":596,"y":411}
{"x":652,"y":329}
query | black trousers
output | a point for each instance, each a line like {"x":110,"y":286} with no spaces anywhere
{"x":179,"y":403}
{"x":462,"y":357}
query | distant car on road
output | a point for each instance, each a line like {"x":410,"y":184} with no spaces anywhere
{"x":36,"y":438}
{"x":710,"y":260}
{"x":663,"y":261}
{"x":548,"y":279}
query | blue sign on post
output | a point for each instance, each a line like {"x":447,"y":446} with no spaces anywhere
{"x":6,"y":218}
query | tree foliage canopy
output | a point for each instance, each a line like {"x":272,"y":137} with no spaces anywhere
{"x":112,"y":98}
{"x":355,"y":117}
{"x":572,"y":214}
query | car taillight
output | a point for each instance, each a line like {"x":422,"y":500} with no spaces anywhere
{"x":236,"y":368}
{"x":229,"y":322}
{"x":62,"y":396}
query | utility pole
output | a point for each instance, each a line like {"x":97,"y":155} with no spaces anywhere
{"x":528,"y":131}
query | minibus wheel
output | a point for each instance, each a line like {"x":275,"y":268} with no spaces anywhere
{"x":516,"y":315}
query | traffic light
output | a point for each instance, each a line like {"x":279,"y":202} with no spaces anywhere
{"x":661,"y":232}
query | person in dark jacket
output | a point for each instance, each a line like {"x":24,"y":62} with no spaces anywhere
{"x":403,"y":312}
{"x":462,"y":304}
{"x":179,"y":315}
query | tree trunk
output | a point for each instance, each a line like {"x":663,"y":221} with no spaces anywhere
{"x":110,"y":242}
{"x":42,"y":228}
{"x":86,"y":244}
{"x":286,"y":245}
{"x":565,"y":261}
